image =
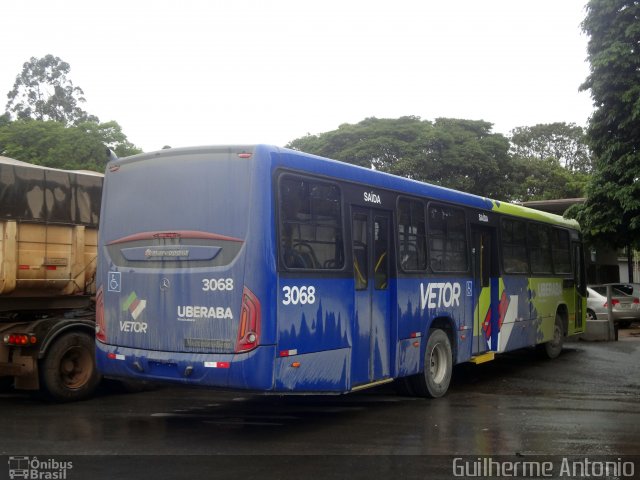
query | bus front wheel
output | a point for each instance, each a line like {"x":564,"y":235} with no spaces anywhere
{"x":438,"y":366}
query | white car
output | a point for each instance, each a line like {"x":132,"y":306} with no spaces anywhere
{"x":625,"y":303}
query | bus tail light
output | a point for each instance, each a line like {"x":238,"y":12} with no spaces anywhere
{"x":101,"y":333}
{"x":249,"y":330}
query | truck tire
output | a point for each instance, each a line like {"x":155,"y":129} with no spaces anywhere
{"x":68,"y":370}
{"x":438,"y":366}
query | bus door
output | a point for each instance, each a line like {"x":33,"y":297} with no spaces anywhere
{"x":485,"y":281}
{"x":371,"y":324}
{"x":579,"y":276}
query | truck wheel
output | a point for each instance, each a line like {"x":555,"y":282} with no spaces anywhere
{"x":553,"y":348}
{"x":438,"y":366}
{"x":68,"y":370}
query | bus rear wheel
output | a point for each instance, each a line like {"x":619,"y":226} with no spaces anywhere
{"x":438,"y":366}
{"x":68,"y":370}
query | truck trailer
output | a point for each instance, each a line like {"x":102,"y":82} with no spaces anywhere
{"x":48,"y":249}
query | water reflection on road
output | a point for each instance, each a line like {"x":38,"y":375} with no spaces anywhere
{"x":585,"y":402}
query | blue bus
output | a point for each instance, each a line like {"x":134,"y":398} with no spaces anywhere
{"x":272,"y":270}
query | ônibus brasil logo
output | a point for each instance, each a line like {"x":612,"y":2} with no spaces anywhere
{"x":38,"y":469}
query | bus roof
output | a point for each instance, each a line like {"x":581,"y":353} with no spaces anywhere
{"x":302,"y":161}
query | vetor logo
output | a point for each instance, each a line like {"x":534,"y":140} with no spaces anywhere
{"x":437,"y":295}
{"x":33,"y":468}
{"x":135,"y":306}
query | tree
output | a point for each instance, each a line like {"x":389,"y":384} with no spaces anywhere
{"x":53,"y":144}
{"x":561,"y":141}
{"x":464,"y":155}
{"x":467,"y":156}
{"x":545,"y":179}
{"x":5,"y":119}
{"x":612,"y":209}
{"x":461,"y":154}
{"x":44,"y":92}
{"x":373,"y":143}
{"x":553,"y":161}
{"x":111,"y":136}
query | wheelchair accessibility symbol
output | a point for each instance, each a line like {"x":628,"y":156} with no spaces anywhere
{"x":113,"y":285}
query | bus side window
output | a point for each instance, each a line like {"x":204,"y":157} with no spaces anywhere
{"x":514,"y":246}
{"x":561,"y":252}
{"x":539,"y":237}
{"x":447,"y":239}
{"x":310,"y":224}
{"x":412,"y":235}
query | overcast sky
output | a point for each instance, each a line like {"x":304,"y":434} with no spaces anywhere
{"x":196,"y":72}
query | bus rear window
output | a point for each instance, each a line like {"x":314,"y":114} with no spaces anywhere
{"x":310,"y":224}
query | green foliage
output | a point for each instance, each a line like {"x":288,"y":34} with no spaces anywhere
{"x":460,"y":154}
{"x":612,"y":209}
{"x":111,"y":136}
{"x":545,"y":179}
{"x":552,"y":161}
{"x":43,"y":91}
{"x":561,"y":141}
{"x":465,"y":155}
{"x":52,"y":130}
{"x":372,"y":143}
{"x":53,"y":144}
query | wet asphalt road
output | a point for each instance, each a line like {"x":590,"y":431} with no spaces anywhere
{"x":587,"y":402}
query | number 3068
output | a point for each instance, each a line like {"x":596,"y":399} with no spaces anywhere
{"x":217,"y":284}
{"x":299,"y":295}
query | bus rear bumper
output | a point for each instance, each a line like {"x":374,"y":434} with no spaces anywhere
{"x":251,"y":371}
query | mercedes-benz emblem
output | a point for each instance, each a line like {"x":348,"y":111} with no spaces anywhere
{"x":165,"y":284}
